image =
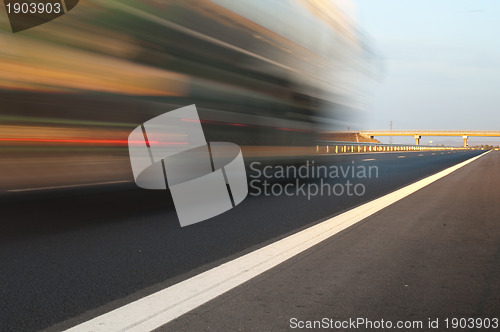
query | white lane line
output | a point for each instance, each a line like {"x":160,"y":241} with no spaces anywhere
{"x":159,"y":308}
{"x":68,"y":186}
{"x":401,"y":156}
{"x":369,"y":159}
{"x":420,"y":155}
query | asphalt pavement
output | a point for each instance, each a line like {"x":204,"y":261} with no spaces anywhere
{"x":428,"y":262}
{"x":69,"y":255}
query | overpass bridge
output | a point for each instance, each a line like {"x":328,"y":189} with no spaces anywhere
{"x":417,"y":134}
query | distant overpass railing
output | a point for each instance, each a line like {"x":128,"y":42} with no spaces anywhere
{"x":481,"y":133}
{"x":417,"y":134}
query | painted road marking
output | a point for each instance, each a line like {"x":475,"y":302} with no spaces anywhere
{"x":401,"y":156}
{"x":420,"y":155}
{"x":157,"y":309}
{"x":370,"y":159}
{"x":69,"y":186}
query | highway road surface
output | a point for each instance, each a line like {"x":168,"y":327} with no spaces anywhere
{"x":71,"y":255}
{"x":430,"y":258}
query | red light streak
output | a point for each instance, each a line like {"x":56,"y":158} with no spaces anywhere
{"x":86,"y":141}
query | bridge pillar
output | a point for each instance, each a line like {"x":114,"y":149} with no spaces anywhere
{"x":465,"y":137}
{"x":417,"y":139}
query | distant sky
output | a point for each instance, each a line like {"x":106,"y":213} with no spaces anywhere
{"x":440,"y":62}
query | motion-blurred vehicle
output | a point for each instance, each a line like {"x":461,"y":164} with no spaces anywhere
{"x":267,"y":75}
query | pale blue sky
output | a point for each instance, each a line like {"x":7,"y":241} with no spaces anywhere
{"x":440,"y":64}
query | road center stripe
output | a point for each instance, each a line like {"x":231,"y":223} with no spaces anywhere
{"x":159,"y":308}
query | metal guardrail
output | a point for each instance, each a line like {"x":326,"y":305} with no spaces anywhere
{"x":362,"y":147}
